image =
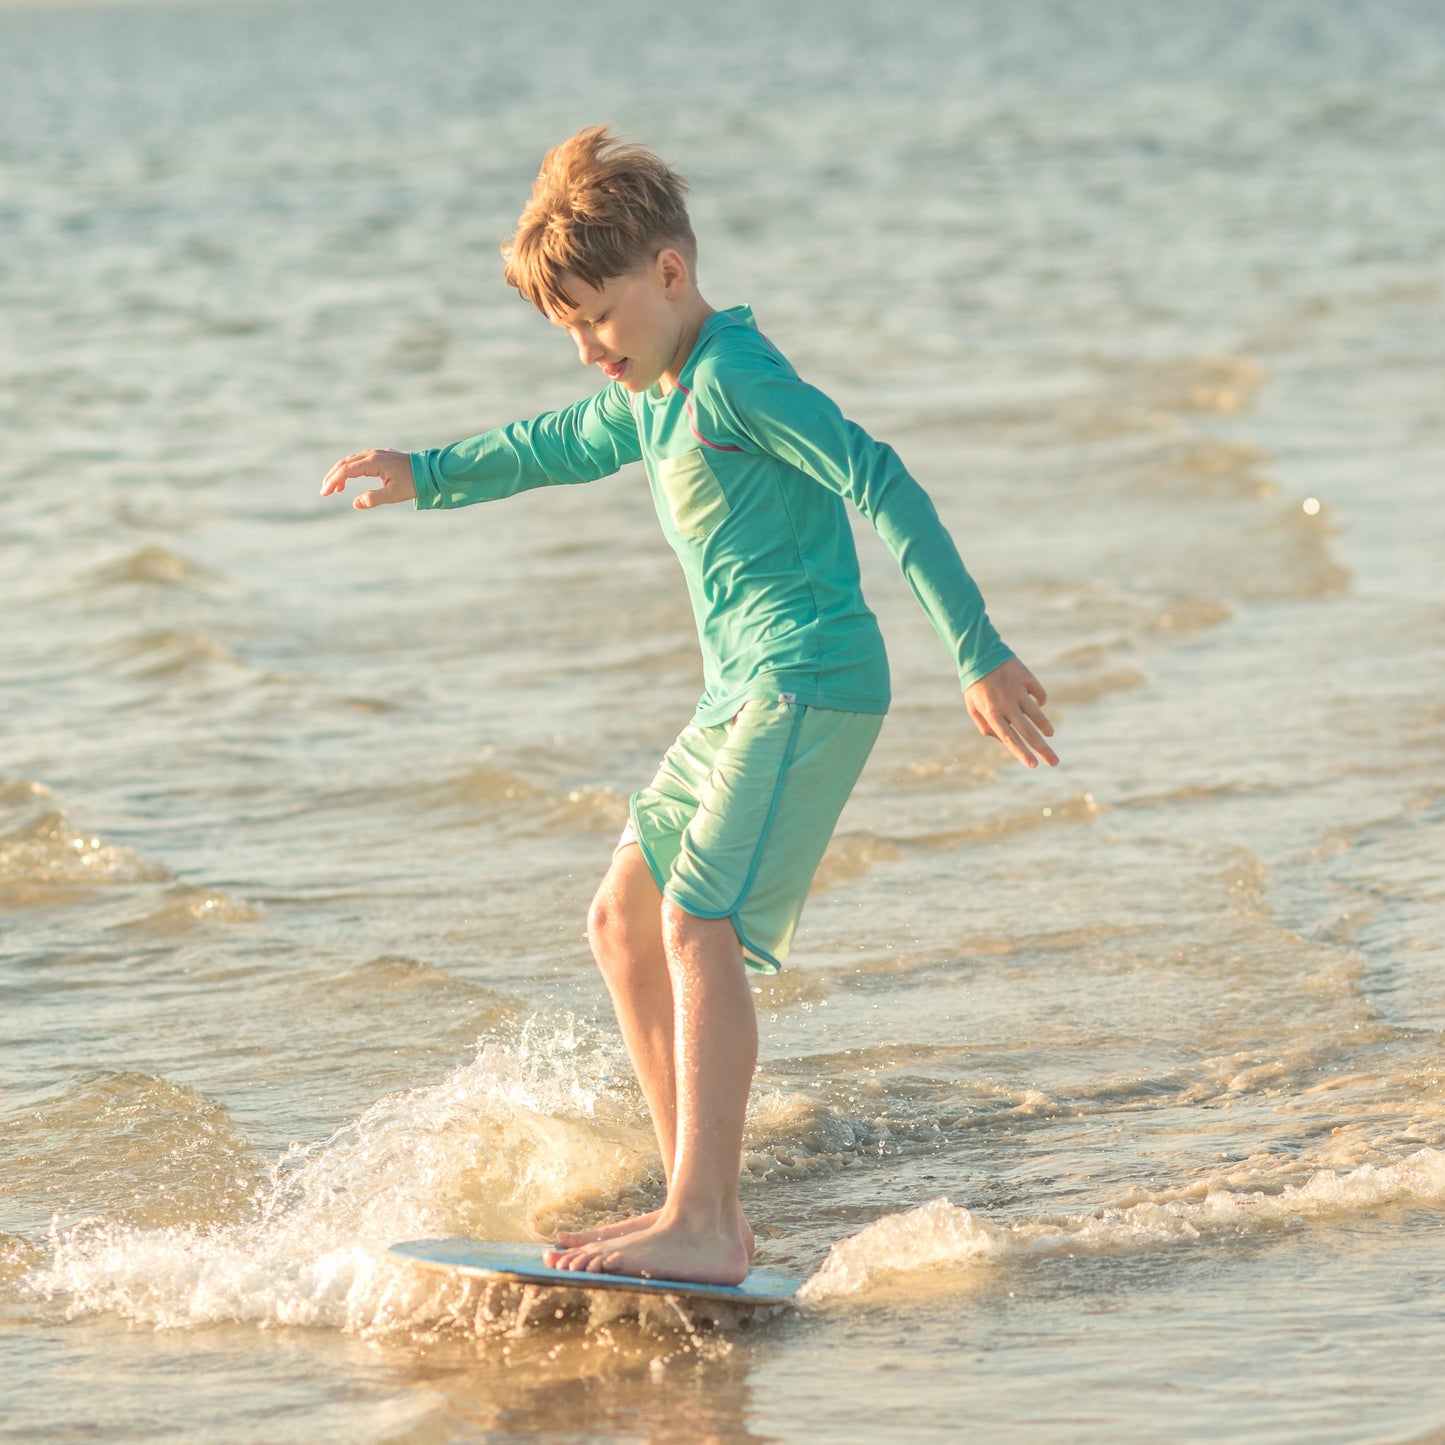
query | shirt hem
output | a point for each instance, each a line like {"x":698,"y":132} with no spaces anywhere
{"x":775,"y":689}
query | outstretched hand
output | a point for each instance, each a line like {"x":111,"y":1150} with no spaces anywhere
{"x":392,"y":468}
{"x":1007,"y":704}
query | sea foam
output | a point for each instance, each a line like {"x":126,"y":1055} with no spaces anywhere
{"x":943,"y":1235}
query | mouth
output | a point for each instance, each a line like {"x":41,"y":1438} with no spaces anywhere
{"x":613,"y":370}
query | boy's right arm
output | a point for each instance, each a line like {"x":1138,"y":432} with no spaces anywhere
{"x":579,"y":443}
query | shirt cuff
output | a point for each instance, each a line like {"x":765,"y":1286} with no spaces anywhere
{"x":423,"y":478}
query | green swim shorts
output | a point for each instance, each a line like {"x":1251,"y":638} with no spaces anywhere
{"x":739,"y":815}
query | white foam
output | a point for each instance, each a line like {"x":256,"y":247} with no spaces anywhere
{"x":942,"y":1235}
{"x":936,"y":1233}
{"x":479,"y":1153}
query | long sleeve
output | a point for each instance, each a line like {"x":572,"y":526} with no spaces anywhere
{"x":590,"y":439}
{"x":776,"y":412}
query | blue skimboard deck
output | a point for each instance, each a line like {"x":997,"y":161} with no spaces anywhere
{"x":524,"y":1262}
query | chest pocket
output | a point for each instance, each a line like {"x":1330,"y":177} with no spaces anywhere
{"x":694,"y":497}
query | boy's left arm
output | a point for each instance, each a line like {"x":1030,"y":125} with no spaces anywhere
{"x":800,"y":425}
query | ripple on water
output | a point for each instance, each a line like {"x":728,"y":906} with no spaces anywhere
{"x":45,"y":858}
{"x":851,"y":855}
{"x":124,"y":1145}
{"x":185,"y":907}
{"x":391,"y":974}
{"x":168,"y":654}
{"x":512,"y":801}
{"x":153,"y":566}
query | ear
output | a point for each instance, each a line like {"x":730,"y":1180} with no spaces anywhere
{"x":671,"y":270}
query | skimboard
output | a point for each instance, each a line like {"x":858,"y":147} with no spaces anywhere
{"x":523,"y":1263}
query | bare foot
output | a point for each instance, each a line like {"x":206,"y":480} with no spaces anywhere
{"x":662,"y":1251}
{"x":573,"y":1238}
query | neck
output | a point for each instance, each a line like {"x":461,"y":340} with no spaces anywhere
{"x":694,"y":315}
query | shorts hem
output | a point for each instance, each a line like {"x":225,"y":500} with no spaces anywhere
{"x":756,"y":958}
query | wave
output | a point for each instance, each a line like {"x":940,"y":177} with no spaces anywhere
{"x":135,"y":1146}
{"x":517,"y":803}
{"x":168,"y":654}
{"x":536,"y":1122}
{"x":153,"y":566}
{"x":42,"y":848}
{"x":853,"y":854}
{"x":391,"y":975}
{"x":185,"y":906}
{"x":1154,"y":396}
{"x":909,"y":1250}
{"x":17,"y":1257}
{"x":1205,"y":384}
{"x":545,"y":1125}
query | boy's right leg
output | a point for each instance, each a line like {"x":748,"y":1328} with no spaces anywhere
{"x":624,"y":927}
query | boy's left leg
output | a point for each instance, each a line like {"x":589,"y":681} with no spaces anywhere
{"x":698,"y":1233}
{"x":624,"y":927}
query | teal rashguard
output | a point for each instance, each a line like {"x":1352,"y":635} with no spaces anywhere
{"x":749,"y":467}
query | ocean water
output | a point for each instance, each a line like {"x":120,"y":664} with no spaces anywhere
{"x":1103,"y":1104}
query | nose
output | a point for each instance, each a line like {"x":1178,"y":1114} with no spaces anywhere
{"x":588,"y":350}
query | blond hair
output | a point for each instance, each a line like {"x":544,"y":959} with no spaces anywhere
{"x":600,"y":207}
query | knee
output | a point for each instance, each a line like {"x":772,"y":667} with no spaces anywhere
{"x":605,"y":924}
{"x":617,"y":935}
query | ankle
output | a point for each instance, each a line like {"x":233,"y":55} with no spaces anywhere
{"x":716,"y":1218}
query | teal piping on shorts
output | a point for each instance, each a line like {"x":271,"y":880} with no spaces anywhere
{"x":767,"y":827}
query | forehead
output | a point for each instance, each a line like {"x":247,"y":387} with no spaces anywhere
{"x":589,"y":301}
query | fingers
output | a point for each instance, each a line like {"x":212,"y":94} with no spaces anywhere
{"x":1026,"y":742}
{"x":1014,"y":737}
{"x":1008,"y":705}
{"x":353,"y":466}
{"x":379,"y":462}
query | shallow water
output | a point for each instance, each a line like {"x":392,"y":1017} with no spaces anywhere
{"x":1102,"y":1105}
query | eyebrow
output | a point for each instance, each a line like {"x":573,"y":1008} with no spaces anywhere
{"x":580,"y":315}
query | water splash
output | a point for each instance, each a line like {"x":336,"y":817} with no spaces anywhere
{"x":481,"y":1153}
{"x":898,"y":1248}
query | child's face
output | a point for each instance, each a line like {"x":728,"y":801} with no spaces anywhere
{"x":629,"y":326}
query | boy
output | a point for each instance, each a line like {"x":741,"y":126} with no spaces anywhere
{"x":749,"y":468}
